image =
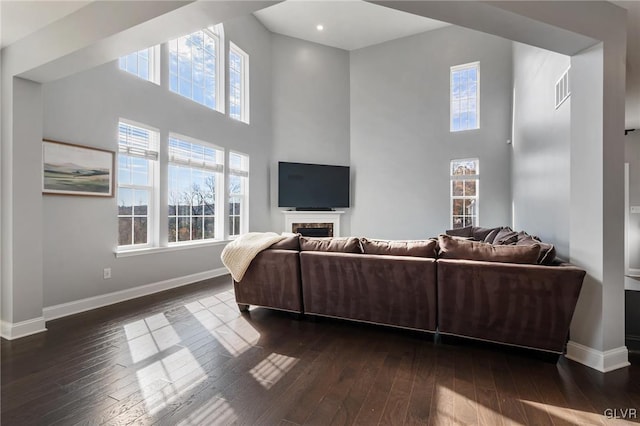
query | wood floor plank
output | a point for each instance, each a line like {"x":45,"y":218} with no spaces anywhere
{"x":527,"y":392}
{"x":465,"y":401}
{"x":188,"y":356}
{"x":355,"y":397}
{"x":422,"y":388}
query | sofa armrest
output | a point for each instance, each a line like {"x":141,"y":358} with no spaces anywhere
{"x":272,"y":280}
{"x":524,"y":305}
{"x":392,"y":290}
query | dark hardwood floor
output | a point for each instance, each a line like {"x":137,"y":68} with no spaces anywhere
{"x":187,"y":356}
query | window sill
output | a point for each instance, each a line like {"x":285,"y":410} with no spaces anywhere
{"x":176,"y":247}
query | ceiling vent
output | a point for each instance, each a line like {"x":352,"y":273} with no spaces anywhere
{"x":562,"y":89}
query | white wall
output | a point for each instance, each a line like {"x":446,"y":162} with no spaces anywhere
{"x":401,"y":144}
{"x":310,"y":110}
{"x":80,"y":233}
{"x":541,"y":147}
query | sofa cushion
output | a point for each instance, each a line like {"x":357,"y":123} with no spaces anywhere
{"x":451,"y":248}
{"x":547,"y":251}
{"x":505,"y":236}
{"x":415,"y":248}
{"x":292,"y":242}
{"x":467,"y":231}
{"x":342,"y":245}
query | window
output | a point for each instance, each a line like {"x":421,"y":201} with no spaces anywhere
{"x":137,"y":159}
{"x":195,"y":190}
{"x":196,"y":67}
{"x":465,"y":97}
{"x":238,"y":83}
{"x":143,"y":63}
{"x":464,"y":193}
{"x":238,"y":193}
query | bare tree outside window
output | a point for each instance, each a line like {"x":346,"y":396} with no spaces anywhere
{"x":464,"y":193}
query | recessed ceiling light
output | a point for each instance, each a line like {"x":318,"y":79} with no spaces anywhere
{"x":319,"y":27}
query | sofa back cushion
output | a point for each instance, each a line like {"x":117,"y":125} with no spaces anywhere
{"x":292,"y":242}
{"x":342,"y":245}
{"x":451,"y":248}
{"x":415,"y":248}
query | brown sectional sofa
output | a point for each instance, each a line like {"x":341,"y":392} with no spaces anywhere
{"x":273,"y":279}
{"x":417,"y":285}
{"x":391,"y":290}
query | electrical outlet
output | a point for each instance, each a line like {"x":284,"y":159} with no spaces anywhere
{"x":635,"y":209}
{"x":107,"y":273}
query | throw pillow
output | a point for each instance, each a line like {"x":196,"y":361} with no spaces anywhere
{"x":481,"y":234}
{"x":491,"y":235}
{"x":547,"y":251}
{"x":415,"y":248}
{"x":342,"y":245}
{"x":505,"y":236}
{"x":451,"y":248}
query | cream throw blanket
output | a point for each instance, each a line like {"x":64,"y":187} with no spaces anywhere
{"x":239,"y":253}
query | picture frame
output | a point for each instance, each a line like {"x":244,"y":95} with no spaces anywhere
{"x":71,"y":169}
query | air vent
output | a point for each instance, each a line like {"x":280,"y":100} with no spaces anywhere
{"x":562,"y":89}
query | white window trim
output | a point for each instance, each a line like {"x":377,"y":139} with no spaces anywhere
{"x":221,"y":54}
{"x":469,"y":65}
{"x":216,"y":32}
{"x":139,"y":251}
{"x":452,"y":197}
{"x":154,"y":65}
{"x":244,"y":83}
{"x":153,"y":209}
{"x":244,"y":207}
{"x":219,"y":200}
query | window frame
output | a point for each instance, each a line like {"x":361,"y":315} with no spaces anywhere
{"x":243,"y":173}
{"x":244,"y":97}
{"x":215,"y":32}
{"x":152,"y":185}
{"x":153,"y":65}
{"x":456,"y":68}
{"x":219,"y":171}
{"x":464,"y":178}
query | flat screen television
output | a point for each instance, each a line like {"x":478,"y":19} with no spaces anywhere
{"x":312,"y":186}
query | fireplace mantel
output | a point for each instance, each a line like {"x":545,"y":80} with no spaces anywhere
{"x":316,"y":217}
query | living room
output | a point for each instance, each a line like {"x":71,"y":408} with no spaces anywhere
{"x":383,"y":110}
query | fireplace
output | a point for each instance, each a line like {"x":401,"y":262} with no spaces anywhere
{"x":313,"y":223}
{"x":313,"y":229}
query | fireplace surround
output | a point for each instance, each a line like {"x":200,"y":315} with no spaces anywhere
{"x":313,"y":223}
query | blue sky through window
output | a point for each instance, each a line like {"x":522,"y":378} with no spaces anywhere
{"x":464,"y":97}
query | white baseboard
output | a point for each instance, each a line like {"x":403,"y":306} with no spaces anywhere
{"x":78,"y":306}
{"x":15,"y":330}
{"x":598,"y":360}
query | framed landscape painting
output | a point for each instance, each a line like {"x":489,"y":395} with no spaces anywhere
{"x":70,"y":169}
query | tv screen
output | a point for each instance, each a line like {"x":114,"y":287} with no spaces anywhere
{"x":312,"y":186}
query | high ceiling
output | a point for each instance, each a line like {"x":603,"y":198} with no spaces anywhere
{"x":18,"y":19}
{"x":347,"y":24}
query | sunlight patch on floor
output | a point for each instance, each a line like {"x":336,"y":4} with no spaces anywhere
{"x":272,"y":368}
{"x":566,"y":414}
{"x":163,"y":381}
{"x":150,"y":336}
{"x":226,"y":324}
{"x":215,"y":412}
{"x":235,"y":341}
